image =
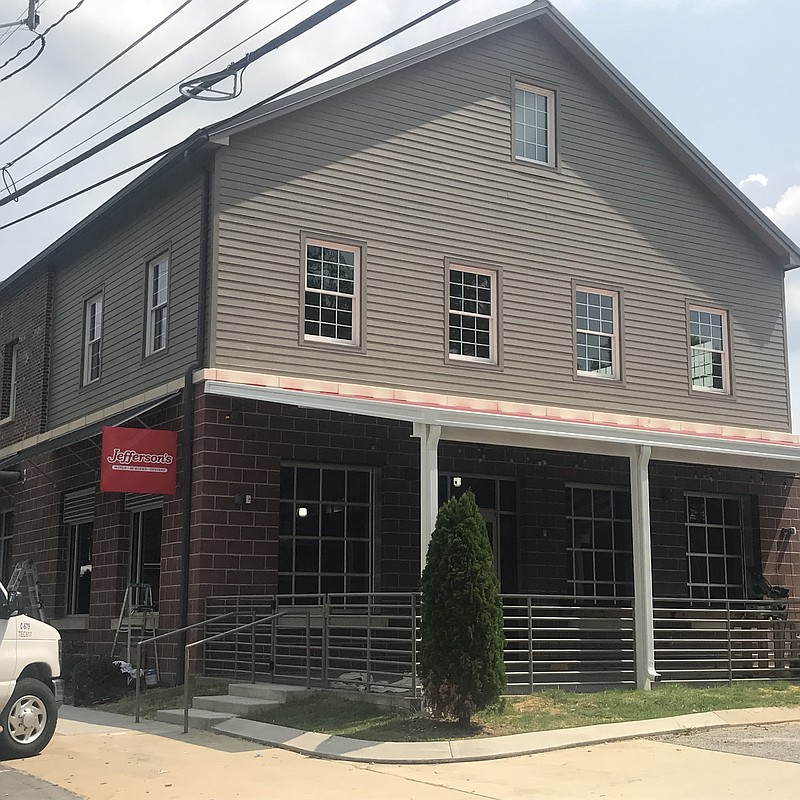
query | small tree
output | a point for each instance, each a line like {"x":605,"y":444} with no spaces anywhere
{"x":461,"y":653}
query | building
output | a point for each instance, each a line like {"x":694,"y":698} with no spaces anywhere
{"x":487,"y":263}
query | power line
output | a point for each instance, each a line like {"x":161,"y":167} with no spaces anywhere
{"x":43,"y":34}
{"x":133,"y":80}
{"x":275,"y":96}
{"x":97,"y":71}
{"x":163,"y":92}
{"x":87,"y":189}
{"x":42,"y":42}
{"x":292,"y":33}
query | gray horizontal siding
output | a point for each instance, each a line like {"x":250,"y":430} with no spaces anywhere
{"x":418,"y":165}
{"x":115,"y":263}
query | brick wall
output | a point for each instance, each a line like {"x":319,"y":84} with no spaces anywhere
{"x":241,"y":445}
{"x":25,"y":314}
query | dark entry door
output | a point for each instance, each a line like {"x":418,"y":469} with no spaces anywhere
{"x":497,"y":500}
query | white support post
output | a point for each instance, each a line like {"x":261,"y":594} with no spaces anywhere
{"x":428,"y":486}
{"x":642,"y":570}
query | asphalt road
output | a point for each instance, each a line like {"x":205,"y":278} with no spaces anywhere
{"x":778,"y":742}
{"x":19,"y":786}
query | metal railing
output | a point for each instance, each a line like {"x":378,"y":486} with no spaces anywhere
{"x":250,"y":626}
{"x":360,"y":641}
{"x":723,"y":641}
{"x":369,"y":642}
{"x":151,"y":640}
{"x":567,"y":642}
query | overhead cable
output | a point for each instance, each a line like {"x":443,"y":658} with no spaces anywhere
{"x":133,"y":80}
{"x":97,"y":72}
{"x":43,"y":33}
{"x":42,"y":43}
{"x":164,"y":91}
{"x":306,"y":25}
{"x":275,"y":96}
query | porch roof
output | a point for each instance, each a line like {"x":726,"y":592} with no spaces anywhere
{"x":480,"y":420}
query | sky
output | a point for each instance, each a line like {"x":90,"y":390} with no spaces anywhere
{"x":724,"y":72}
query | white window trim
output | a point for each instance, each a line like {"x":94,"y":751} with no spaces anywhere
{"x":152,"y":308}
{"x":615,"y":337}
{"x":551,"y":123}
{"x":87,"y":342}
{"x":493,"y":338}
{"x":726,"y":360}
{"x":12,"y":388}
{"x":356,"y":296}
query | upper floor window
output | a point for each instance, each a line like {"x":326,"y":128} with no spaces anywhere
{"x":92,"y":338}
{"x":534,"y":124}
{"x":8,"y":390}
{"x":708,"y":349}
{"x":157,"y":291}
{"x":472,"y":317}
{"x":331,"y":303}
{"x":597,"y":332}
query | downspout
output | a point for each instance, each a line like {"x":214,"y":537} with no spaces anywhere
{"x":187,"y":431}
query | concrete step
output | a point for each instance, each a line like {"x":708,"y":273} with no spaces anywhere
{"x":199,"y":719}
{"x":232,"y":705}
{"x":268,"y":691}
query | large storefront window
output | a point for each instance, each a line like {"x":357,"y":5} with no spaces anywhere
{"x":497,"y":500}
{"x":6,"y":533}
{"x":715,"y":547}
{"x":601,"y":558}
{"x":325,"y":534}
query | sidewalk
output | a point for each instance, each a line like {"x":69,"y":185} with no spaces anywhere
{"x":461,"y":750}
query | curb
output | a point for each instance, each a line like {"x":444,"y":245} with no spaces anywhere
{"x":318,"y":745}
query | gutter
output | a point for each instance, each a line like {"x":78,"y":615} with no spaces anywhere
{"x":187,"y":431}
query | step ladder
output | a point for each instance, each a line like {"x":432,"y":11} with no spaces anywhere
{"x":136,"y":618}
{"x":26,"y":572}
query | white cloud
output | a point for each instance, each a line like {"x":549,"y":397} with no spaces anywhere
{"x":754,"y":177}
{"x":786,"y":212}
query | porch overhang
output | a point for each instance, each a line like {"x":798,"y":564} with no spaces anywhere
{"x":515,"y":424}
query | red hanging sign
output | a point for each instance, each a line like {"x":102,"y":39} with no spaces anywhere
{"x":138,"y":460}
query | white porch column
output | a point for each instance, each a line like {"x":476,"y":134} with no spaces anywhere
{"x":642,"y":569}
{"x":428,"y":485}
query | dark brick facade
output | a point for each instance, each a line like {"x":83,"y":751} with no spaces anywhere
{"x":239,"y":449}
{"x":25,"y":317}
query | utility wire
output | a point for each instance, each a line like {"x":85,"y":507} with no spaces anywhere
{"x":88,"y":188}
{"x":42,"y":42}
{"x":162,"y":93}
{"x":97,"y":71}
{"x":43,"y":34}
{"x":133,"y":80}
{"x":275,"y":96}
{"x":274,"y":44}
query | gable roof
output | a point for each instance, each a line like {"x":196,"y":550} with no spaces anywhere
{"x":551,"y":20}
{"x":786,"y":252}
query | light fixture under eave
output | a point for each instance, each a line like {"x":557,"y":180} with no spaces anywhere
{"x":302,"y":511}
{"x":456,"y":481}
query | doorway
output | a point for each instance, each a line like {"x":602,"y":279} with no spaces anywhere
{"x":497,"y":501}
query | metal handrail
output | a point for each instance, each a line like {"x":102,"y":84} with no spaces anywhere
{"x":157,"y":638}
{"x":187,"y":698}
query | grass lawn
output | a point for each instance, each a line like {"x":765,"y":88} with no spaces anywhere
{"x":546,"y":710}
{"x":154,"y":699}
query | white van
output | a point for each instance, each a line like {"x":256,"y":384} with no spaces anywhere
{"x":30,"y":687}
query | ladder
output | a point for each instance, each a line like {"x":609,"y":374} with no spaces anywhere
{"x":136,"y":616}
{"x":26,"y":571}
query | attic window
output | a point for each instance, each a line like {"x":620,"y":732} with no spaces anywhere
{"x":534,"y":124}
